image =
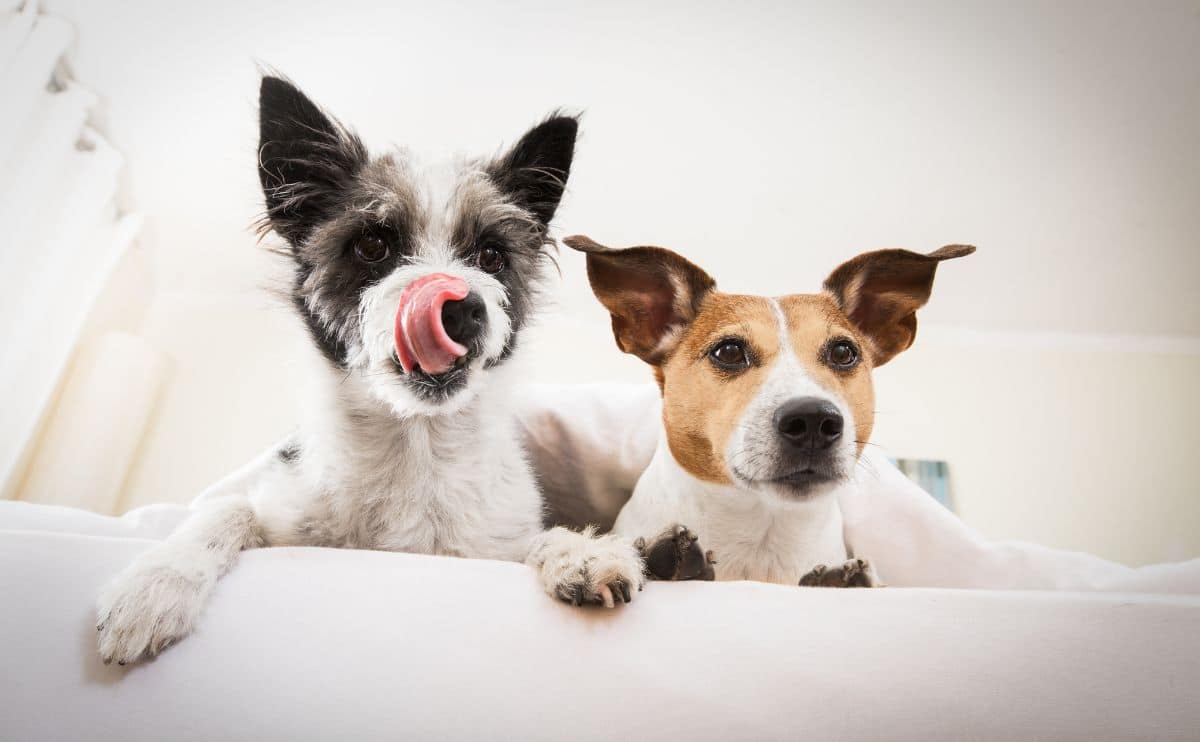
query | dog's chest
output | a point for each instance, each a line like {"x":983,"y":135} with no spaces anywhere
{"x":433,"y":492}
{"x":752,"y":536}
{"x":779,"y":550}
{"x":451,"y":512}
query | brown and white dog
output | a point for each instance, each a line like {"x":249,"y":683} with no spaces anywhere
{"x":767,"y":405}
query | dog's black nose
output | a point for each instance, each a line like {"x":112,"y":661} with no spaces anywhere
{"x":808,"y":422}
{"x":464,"y":320}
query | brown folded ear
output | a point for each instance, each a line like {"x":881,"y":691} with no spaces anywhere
{"x":649,"y":291}
{"x":881,"y":292}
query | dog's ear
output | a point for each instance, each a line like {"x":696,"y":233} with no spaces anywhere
{"x":305,"y":159}
{"x":881,"y":292}
{"x":650,"y":292}
{"x":534,"y":172}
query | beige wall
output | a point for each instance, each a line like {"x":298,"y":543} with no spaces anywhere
{"x":1075,"y":448}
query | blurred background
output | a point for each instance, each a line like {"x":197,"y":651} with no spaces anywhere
{"x":1055,"y":372}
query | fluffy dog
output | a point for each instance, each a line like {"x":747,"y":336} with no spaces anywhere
{"x":415,"y":283}
{"x":767,"y":405}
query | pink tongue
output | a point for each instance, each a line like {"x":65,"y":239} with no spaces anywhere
{"x":421,"y":340}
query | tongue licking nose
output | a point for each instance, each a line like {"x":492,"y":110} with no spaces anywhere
{"x":421,"y":339}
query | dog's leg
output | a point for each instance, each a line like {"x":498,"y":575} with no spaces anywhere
{"x":581,"y":567}
{"x":676,"y":554}
{"x":156,"y":600}
{"x":850,"y":573}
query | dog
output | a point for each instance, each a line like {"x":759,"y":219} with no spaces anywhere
{"x":415,"y":283}
{"x":767,"y":406}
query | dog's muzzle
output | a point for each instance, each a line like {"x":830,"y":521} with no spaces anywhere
{"x":437,"y":319}
{"x":808,"y":431}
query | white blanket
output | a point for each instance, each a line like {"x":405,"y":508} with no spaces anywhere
{"x":333,"y":644}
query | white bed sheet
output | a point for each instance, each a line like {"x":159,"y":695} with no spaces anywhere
{"x":336,"y":644}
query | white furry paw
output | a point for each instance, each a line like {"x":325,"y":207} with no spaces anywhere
{"x":147,"y":608}
{"x":584,"y":568}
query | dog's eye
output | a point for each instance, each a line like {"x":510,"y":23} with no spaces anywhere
{"x":490,"y":259}
{"x":730,"y":355}
{"x":842,"y":354}
{"x":371,"y":249}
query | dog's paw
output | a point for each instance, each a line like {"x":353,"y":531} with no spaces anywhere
{"x":676,"y":554}
{"x":582,"y":568}
{"x":147,"y":609}
{"x":850,"y":573}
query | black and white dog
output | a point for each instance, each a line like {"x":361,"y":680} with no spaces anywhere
{"x":415,"y":283}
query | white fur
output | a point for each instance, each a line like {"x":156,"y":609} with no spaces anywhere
{"x":753,"y":535}
{"x":570,"y":562}
{"x":157,"y":600}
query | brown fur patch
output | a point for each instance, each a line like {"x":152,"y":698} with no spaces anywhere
{"x":701,"y":403}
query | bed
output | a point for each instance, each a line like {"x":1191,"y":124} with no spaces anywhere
{"x":973,"y":640}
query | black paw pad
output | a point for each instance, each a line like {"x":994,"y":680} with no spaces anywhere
{"x":851,"y":573}
{"x":676,"y":554}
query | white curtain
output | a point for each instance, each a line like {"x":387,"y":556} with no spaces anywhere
{"x":61,"y":235}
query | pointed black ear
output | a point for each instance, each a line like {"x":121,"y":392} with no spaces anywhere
{"x":305,"y":159}
{"x":534,"y":172}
